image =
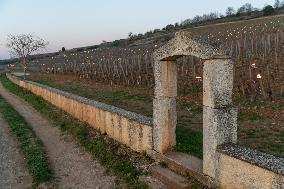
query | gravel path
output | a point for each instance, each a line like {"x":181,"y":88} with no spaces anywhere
{"x":13,"y":173}
{"x":73,"y":167}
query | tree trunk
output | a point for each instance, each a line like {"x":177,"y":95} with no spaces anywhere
{"x":25,"y":68}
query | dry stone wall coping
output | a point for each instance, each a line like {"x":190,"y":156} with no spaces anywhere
{"x":254,"y":157}
{"x":119,"y":111}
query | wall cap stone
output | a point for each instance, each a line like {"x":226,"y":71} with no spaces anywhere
{"x":119,"y":111}
{"x":254,"y":157}
{"x":184,"y":44}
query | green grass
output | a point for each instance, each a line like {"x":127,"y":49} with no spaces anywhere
{"x":189,"y":141}
{"x":279,"y":105}
{"x":87,"y":137}
{"x":266,"y":139}
{"x":194,"y":109}
{"x":194,"y":183}
{"x":29,"y":144}
{"x":188,"y":90}
{"x":240,"y":100}
{"x":250,"y":116}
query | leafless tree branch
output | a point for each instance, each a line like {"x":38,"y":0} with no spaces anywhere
{"x":24,"y":45}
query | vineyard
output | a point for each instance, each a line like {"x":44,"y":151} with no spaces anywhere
{"x":257,"y":47}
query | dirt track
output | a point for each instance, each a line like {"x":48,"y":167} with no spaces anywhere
{"x":73,"y":167}
{"x":13,"y":173}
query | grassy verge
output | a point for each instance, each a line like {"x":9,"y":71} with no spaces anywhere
{"x":189,"y":141}
{"x":250,"y":116}
{"x":29,"y":144}
{"x":101,"y":148}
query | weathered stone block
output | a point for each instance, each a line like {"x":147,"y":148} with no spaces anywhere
{"x":125,"y":131}
{"x":33,"y":89}
{"x":102,"y":121}
{"x":65,"y":103}
{"x":78,"y":110}
{"x":116,"y":127}
{"x":164,"y":124}
{"x":147,"y":137}
{"x":90,"y":115}
{"x":108,"y":122}
{"x":219,"y":127}
{"x":237,"y":174}
{"x":93,"y":117}
{"x":70,"y":105}
{"x":134,"y":132}
{"x":217,"y":83}
{"x":87,"y":112}
{"x":61,"y":105}
{"x":74,"y":110}
{"x":165,"y":79}
{"x":43,"y":93}
{"x":51,"y":98}
{"x":56,"y":101}
{"x":97,"y":123}
{"x":47,"y":95}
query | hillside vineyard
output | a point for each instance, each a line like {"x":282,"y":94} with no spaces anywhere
{"x":256,"y":46}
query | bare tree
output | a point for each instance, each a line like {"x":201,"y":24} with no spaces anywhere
{"x":24,"y":45}
{"x":277,"y":4}
{"x":248,"y":7}
{"x":186,"y":22}
{"x":230,"y":11}
{"x":245,"y":9}
{"x":130,"y":35}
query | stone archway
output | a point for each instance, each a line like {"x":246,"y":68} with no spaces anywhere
{"x":219,"y":117}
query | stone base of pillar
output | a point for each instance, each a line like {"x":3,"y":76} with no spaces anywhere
{"x":219,"y":127}
{"x":164,"y":123}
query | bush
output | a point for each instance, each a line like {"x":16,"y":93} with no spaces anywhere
{"x":268,"y":10}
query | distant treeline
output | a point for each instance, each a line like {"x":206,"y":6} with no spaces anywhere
{"x":245,"y":12}
{"x":8,"y":61}
{"x":30,"y":58}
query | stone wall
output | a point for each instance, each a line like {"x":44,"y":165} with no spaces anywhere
{"x":233,"y":166}
{"x":126,"y":127}
{"x":242,"y":167}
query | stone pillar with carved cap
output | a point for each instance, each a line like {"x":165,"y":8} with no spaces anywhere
{"x":219,"y":116}
{"x":164,"y":105}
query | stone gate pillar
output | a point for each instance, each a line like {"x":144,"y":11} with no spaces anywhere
{"x":219,"y":117}
{"x":164,"y":105}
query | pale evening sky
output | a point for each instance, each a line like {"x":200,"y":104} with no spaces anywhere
{"x":74,"y":23}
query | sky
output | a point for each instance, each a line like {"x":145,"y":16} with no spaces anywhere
{"x":76,"y":23}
